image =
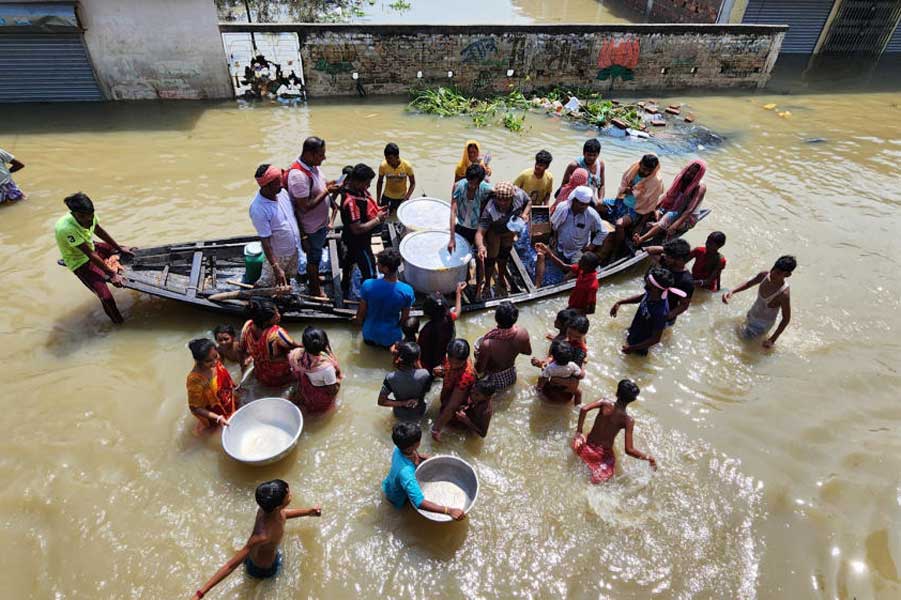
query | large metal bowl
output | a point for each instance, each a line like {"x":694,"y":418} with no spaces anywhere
{"x":262,"y":432}
{"x":449,"y":481}
{"x":419,"y":214}
{"x":429,"y":267}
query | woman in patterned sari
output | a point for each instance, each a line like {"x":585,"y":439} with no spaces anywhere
{"x":268,"y":344}
{"x":211,"y":391}
{"x":317,"y":372}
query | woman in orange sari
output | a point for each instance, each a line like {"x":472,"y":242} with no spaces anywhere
{"x":211,"y":391}
{"x":317,"y":372}
{"x":268,"y":344}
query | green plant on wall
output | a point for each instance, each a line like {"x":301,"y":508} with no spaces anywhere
{"x":400,"y":5}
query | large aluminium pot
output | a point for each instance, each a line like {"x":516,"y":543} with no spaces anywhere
{"x":419,"y":214}
{"x":429,"y":267}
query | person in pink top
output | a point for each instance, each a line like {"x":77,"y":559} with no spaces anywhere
{"x":309,"y":191}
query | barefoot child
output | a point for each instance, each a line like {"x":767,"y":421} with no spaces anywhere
{"x":772,"y":297}
{"x":576,"y":331}
{"x":228,"y":344}
{"x":653,"y":307}
{"x":560,"y":378}
{"x":260,"y":555}
{"x":709,"y":263}
{"x":407,"y":384}
{"x":401,"y":485}
{"x":476,"y":412}
{"x":584,"y":296}
{"x":459,"y":376}
{"x":597,"y":449}
{"x":439,"y":331}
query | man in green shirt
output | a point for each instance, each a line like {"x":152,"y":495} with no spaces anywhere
{"x":87,"y":260}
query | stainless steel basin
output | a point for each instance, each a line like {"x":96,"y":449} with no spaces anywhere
{"x":449,"y":481}
{"x":262,"y":432}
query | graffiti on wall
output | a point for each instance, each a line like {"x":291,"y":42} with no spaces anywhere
{"x":617,"y":59}
{"x":480,"y":51}
{"x":333,"y":69}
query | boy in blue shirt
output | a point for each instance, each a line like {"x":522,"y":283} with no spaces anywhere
{"x":400,"y":485}
{"x":384,"y":303}
{"x":653,"y":308}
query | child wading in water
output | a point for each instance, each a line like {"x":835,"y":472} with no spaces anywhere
{"x":597,"y":449}
{"x":560,"y":378}
{"x":439,"y":331}
{"x":228,"y":344}
{"x":772,"y":297}
{"x":408,"y":384}
{"x":709,"y":263}
{"x":260,"y":555}
{"x":653,"y":307}
{"x":584,"y":296}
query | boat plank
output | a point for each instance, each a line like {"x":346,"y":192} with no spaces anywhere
{"x":521,"y":268}
{"x":196,"y":269}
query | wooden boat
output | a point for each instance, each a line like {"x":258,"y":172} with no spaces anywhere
{"x":199,"y":273}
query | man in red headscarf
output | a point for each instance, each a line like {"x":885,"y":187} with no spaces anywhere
{"x":272,"y":214}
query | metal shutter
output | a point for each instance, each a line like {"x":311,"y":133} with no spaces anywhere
{"x":48,"y":67}
{"x":894,"y":43}
{"x":805,"y":19}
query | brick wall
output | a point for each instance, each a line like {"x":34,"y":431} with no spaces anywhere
{"x":389,"y":58}
{"x":675,"y":11}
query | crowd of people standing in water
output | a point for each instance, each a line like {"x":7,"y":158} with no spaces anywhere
{"x":295,"y":209}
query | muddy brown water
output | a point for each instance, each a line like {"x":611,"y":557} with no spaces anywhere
{"x":779,"y":471}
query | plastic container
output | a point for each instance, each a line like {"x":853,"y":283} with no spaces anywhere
{"x":253,"y":262}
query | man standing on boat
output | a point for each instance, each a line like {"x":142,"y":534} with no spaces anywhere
{"x":91,"y":263}
{"x":577,"y":228}
{"x":309,"y":191}
{"x":272,"y":215}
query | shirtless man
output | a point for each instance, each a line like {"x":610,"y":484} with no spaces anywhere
{"x":496,"y":353}
{"x":597,"y":449}
{"x":260,"y":555}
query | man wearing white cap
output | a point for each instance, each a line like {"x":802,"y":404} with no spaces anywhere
{"x":577,"y":228}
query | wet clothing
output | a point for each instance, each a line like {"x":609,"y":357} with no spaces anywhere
{"x":503,"y":379}
{"x":408,"y":384}
{"x":683,"y":280}
{"x":401,"y":485}
{"x":433,"y":340}
{"x":700,"y":270}
{"x":10,"y":191}
{"x":216,"y":394}
{"x":462,"y":378}
{"x":261,"y":573}
{"x":601,"y":461}
{"x":269,"y":370}
{"x":69,"y":236}
{"x":384,"y":302}
{"x":93,"y":277}
{"x":315,"y":375}
{"x":649,"y":318}
{"x":552,"y":369}
{"x":580,"y":351}
{"x":585,"y":293}
{"x":762,"y":316}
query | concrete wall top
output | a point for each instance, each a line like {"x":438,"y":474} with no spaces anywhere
{"x":637,"y":28}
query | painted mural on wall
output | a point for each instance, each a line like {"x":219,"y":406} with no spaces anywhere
{"x":618,"y":59}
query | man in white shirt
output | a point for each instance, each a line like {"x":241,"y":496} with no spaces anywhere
{"x":577,"y":228}
{"x":272,"y":214}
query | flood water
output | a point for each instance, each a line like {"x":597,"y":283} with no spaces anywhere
{"x":778,"y":471}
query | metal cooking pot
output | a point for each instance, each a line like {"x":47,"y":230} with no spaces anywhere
{"x":419,"y":214}
{"x":429,"y":267}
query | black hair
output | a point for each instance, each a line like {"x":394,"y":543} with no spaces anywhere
{"x":347,"y":170}
{"x":677,"y":248}
{"x":486,"y":386}
{"x":506,"y":314}
{"x":315,"y":340}
{"x":475,"y":171}
{"x":224,"y":329}
{"x":627,"y":390}
{"x":650,"y":161}
{"x":262,"y":310}
{"x":408,"y":353}
{"x":361,"y":172}
{"x":591,"y":261}
{"x":718,"y":237}
{"x":405,"y":434}
{"x":391,"y":149}
{"x":313,"y":144}
{"x":436,"y":307}
{"x":200,"y":348}
{"x":593,"y":145}
{"x":271,"y":494}
{"x":410,"y":327}
{"x":562,"y":352}
{"x":662,"y":276}
{"x":565,"y":316}
{"x":261,"y":169}
{"x":544,"y":158}
{"x":579,"y":323}
{"x":390,"y":259}
{"x":79,"y":202}
{"x":458,"y":348}
{"x":786,"y":263}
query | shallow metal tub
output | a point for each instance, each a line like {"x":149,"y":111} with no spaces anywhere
{"x":262,"y":432}
{"x":449,"y":481}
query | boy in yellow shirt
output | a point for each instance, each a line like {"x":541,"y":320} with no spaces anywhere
{"x":396,"y":170}
{"x":537,"y":182}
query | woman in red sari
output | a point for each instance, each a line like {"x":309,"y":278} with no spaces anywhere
{"x":317,"y":372}
{"x":268,"y":344}
{"x":211,"y":391}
